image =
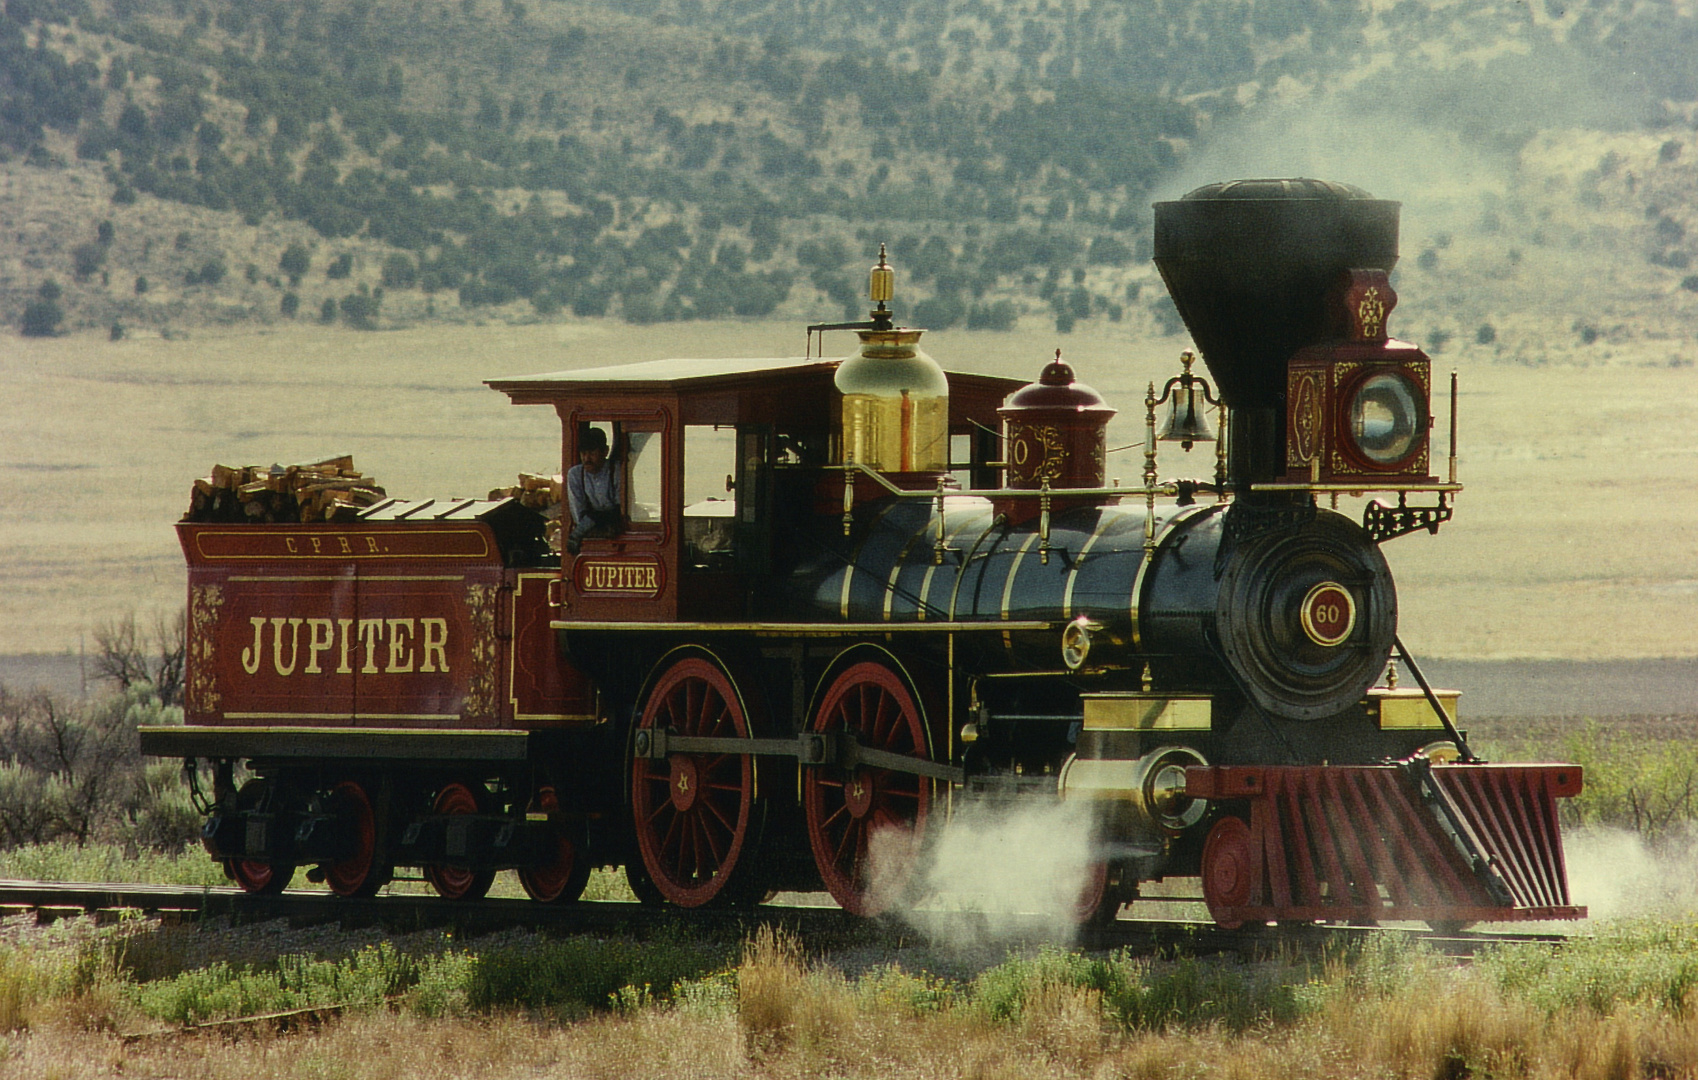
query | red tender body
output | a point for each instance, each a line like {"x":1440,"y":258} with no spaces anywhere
{"x":398,"y":624}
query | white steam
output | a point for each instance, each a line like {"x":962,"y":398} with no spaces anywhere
{"x":990,"y":873}
{"x":1617,"y":875}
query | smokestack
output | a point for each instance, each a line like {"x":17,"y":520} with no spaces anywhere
{"x":1249,"y":264}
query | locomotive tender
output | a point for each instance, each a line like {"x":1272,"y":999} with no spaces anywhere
{"x":848,"y":595}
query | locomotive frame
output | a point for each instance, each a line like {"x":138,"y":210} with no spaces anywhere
{"x":731,"y":696}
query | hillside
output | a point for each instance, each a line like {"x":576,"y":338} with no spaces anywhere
{"x":171,"y":164}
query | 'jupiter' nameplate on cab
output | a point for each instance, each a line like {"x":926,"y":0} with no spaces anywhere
{"x":635,"y":576}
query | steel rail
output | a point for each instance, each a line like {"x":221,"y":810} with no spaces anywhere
{"x":824,"y":927}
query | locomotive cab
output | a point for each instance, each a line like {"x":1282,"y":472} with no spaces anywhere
{"x":720,"y":463}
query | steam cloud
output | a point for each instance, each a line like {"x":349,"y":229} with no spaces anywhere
{"x":991,"y":873}
{"x":1617,"y":875}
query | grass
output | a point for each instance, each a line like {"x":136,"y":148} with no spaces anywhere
{"x":66,"y":861}
{"x":1616,"y":1004}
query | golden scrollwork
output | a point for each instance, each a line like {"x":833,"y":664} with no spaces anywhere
{"x":1306,"y":417}
{"x":1371,"y":313}
{"x":1040,"y":441}
{"x":484,"y":652}
{"x":201,"y":693}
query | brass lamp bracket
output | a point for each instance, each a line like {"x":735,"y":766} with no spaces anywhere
{"x":1383,"y":521}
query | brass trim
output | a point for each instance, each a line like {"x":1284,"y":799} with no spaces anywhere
{"x":1305,"y":614}
{"x":345,"y":577}
{"x":902,"y":561}
{"x":926,"y":582}
{"x":1181,"y":515}
{"x":1147,"y":712}
{"x":855,"y":557}
{"x":1014,"y":569}
{"x":828,"y":629}
{"x":1366,"y":486}
{"x":1103,"y":523}
{"x":1408,"y":709}
{"x":350,"y":716}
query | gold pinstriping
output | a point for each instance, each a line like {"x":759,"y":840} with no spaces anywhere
{"x":1108,"y":518}
{"x":902,"y":560}
{"x":855,"y":557}
{"x":1184,"y":513}
{"x":1013,"y":569}
{"x":926,"y":582}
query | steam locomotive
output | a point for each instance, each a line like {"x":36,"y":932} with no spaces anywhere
{"x":844,"y":598}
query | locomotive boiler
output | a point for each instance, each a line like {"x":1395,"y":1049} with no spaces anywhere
{"x":845,"y":597}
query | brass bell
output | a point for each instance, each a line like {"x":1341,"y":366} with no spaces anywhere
{"x":1187,"y":417}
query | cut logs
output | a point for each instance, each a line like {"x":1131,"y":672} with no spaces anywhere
{"x":543,"y":494}
{"x":328,"y":490}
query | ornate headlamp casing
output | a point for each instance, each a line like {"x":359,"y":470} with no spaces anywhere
{"x":1358,"y":406}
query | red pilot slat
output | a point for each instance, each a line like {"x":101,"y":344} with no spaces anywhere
{"x":1363,"y":842}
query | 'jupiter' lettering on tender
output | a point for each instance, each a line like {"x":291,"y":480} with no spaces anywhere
{"x":317,"y":646}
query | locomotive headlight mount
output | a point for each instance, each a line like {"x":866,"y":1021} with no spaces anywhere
{"x":1358,"y":404}
{"x":1076,"y":642}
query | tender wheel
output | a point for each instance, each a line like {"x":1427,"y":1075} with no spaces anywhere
{"x":1228,"y":871}
{"x":693,"y":812}
{"x":357,"y":874}
{"x":253,"y":875}
{"x":455,"y":882}
{"x":262,"y":878}
{"x":847,"y":809}
{"x":562,"y":880}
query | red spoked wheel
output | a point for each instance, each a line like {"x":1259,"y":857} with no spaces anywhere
{"x":254,"y":875}
{"x":561,"y":880}
{"x":693,"y":812}
{"x":356,"y":874}
{"x":1229,"y":871}
{"x":850,"y":811}
{"x":1098,"y":901}
{"x":263,"y":878}
{"x":458,"y":882}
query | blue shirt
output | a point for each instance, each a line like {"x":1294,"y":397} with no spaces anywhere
{"x":588,"y":491}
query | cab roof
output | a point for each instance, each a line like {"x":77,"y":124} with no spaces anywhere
{"x":703,"y":387}
{"x":675,"y":375}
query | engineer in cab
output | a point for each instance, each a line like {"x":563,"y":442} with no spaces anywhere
{"x":595,"y":488}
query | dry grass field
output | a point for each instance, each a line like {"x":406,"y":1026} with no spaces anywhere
{"x":1577,"y":536}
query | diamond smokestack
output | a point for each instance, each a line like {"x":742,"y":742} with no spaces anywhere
{"x":1249,"y":264}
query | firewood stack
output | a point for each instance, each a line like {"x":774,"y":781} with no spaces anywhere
{"x":542,"y":494}
{"x":329,"y":490}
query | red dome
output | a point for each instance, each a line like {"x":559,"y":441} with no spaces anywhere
{"x":1056,"y":391}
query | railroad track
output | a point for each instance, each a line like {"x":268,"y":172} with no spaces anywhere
{"x":821,"y":927}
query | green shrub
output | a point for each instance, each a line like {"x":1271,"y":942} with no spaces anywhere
{"x":1641,"y":963}
{"x":1144,"y":994}
{"x":367,"y":978}
{"x":576,"y":976}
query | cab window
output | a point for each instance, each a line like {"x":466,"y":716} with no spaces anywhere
{"x":636,"y":453}
{"x":710,"y":468}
